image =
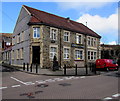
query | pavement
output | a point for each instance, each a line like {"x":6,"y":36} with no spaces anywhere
{"x":50,"y":72}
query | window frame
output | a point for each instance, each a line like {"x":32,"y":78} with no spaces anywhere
{"x":92,"y":57}
{"x":78,"y":38}
{"x":53,"y":36}
{"x":80,"y":50}
{"x":66,"y":54}
{"x":67,"y":36}
{"x":35,"y":29}
{"x":53,"y":46}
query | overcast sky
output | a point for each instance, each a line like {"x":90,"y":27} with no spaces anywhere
{"x":101,"y":17}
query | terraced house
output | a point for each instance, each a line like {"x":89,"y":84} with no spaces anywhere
{"x":39,"y":36}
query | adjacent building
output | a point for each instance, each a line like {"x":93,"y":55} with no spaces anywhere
{"x":5,"y":47}
{"x":110,"y":51}
{"x":39,"y":36}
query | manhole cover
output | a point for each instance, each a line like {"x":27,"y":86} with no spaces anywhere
{"x":42,"y":85}
{"x":65,"y":84}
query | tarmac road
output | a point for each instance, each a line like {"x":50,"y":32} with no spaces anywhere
{"x":20,"y":85}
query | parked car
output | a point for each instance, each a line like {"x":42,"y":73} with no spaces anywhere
{"x":106,"y":64}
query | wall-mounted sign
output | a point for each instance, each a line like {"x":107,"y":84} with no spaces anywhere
{"x":77,"y":45}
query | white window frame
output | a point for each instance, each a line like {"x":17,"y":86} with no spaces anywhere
{"x":89,"y":41}
{"x":53,"y":46}
{"x":95,"y":42}
{"x":78,"y":55}
{"x":78,"y":38}
{"x":36,"y":32}
{"x":66,"y":54}
{"x":53,"y":35}
{"x":67,"y":35}
{"x":90,"y":55}
{"x":92,"y":41}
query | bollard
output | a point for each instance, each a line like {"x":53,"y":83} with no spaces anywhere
{"x":86,"y":69}
{"x":76,"y":69}
{"x":23,"y":66}
{"x":36,"y":68}
{"x":64,"y":69}
{"x":27,"y":67}
{"x":95,"y":68}
{"x":31,"y":68}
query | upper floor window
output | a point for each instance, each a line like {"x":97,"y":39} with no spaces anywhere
{"x":66,"y":54}
{"x":66,"y":36}
{"x":91,"y":41}
{"x":22,"y":36}
{"x":95,"y":42}
{"x":53,"y":34}
{"x":78,"y":39}
{"x":18,"y":38}
{"x":36,"y":32}
{"x":78,"y":54}
{"x":53,"y":52}
{"x":88,"y":41}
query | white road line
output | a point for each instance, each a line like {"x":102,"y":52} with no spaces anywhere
{"x":82,"y":77}
{"x":3,"y":87}
{"x":25,"y":83}
{"x":107,"y":98}
{"x":116,"y":95}
{"x":68,"y":78}
{"x":29,"y":83}
{"x":17,"y":80}
{"x":15,"y":86}
{"x":58,"y":79}
{"x":49,"y":80}
{"x":40,"y":81}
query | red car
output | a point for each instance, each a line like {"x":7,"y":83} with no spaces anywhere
{"x":106,"y":64}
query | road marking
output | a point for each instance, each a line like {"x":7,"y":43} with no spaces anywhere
{"x":25,"y":83}
{"x":15,"y":86}
{"x":107,"y":98}
{"x":49,"y":80}
{"x":116,"y":95}
{"x":17,"y":80}
{"x":68,"y":78}
{"x":82,"y":77}
{"x":3,"y":87}
{"x":40,"y":81}
{"x":29,"y":83}
{"x":58,"y":79}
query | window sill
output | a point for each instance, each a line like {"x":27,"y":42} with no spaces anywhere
{"x":78,"y":60}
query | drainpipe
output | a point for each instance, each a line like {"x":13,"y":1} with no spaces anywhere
{"x":60,"y":47}
{"x":86,"y":66}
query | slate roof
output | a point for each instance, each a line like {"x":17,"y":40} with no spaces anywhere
{"x":41,"y":17}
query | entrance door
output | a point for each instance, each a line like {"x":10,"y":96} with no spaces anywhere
{"x":36,"y":54}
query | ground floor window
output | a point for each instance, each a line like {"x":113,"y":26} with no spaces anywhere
{"x":66,"y":54}
{"x":53,"y":52}
{"x":78,"y":54}
{"x":92,"y":55}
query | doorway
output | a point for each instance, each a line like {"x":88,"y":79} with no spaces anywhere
{"x":36,"y":54}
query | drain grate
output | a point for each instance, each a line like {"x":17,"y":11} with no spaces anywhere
{"x":42,"y":85}
{"x":65,"y":84}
